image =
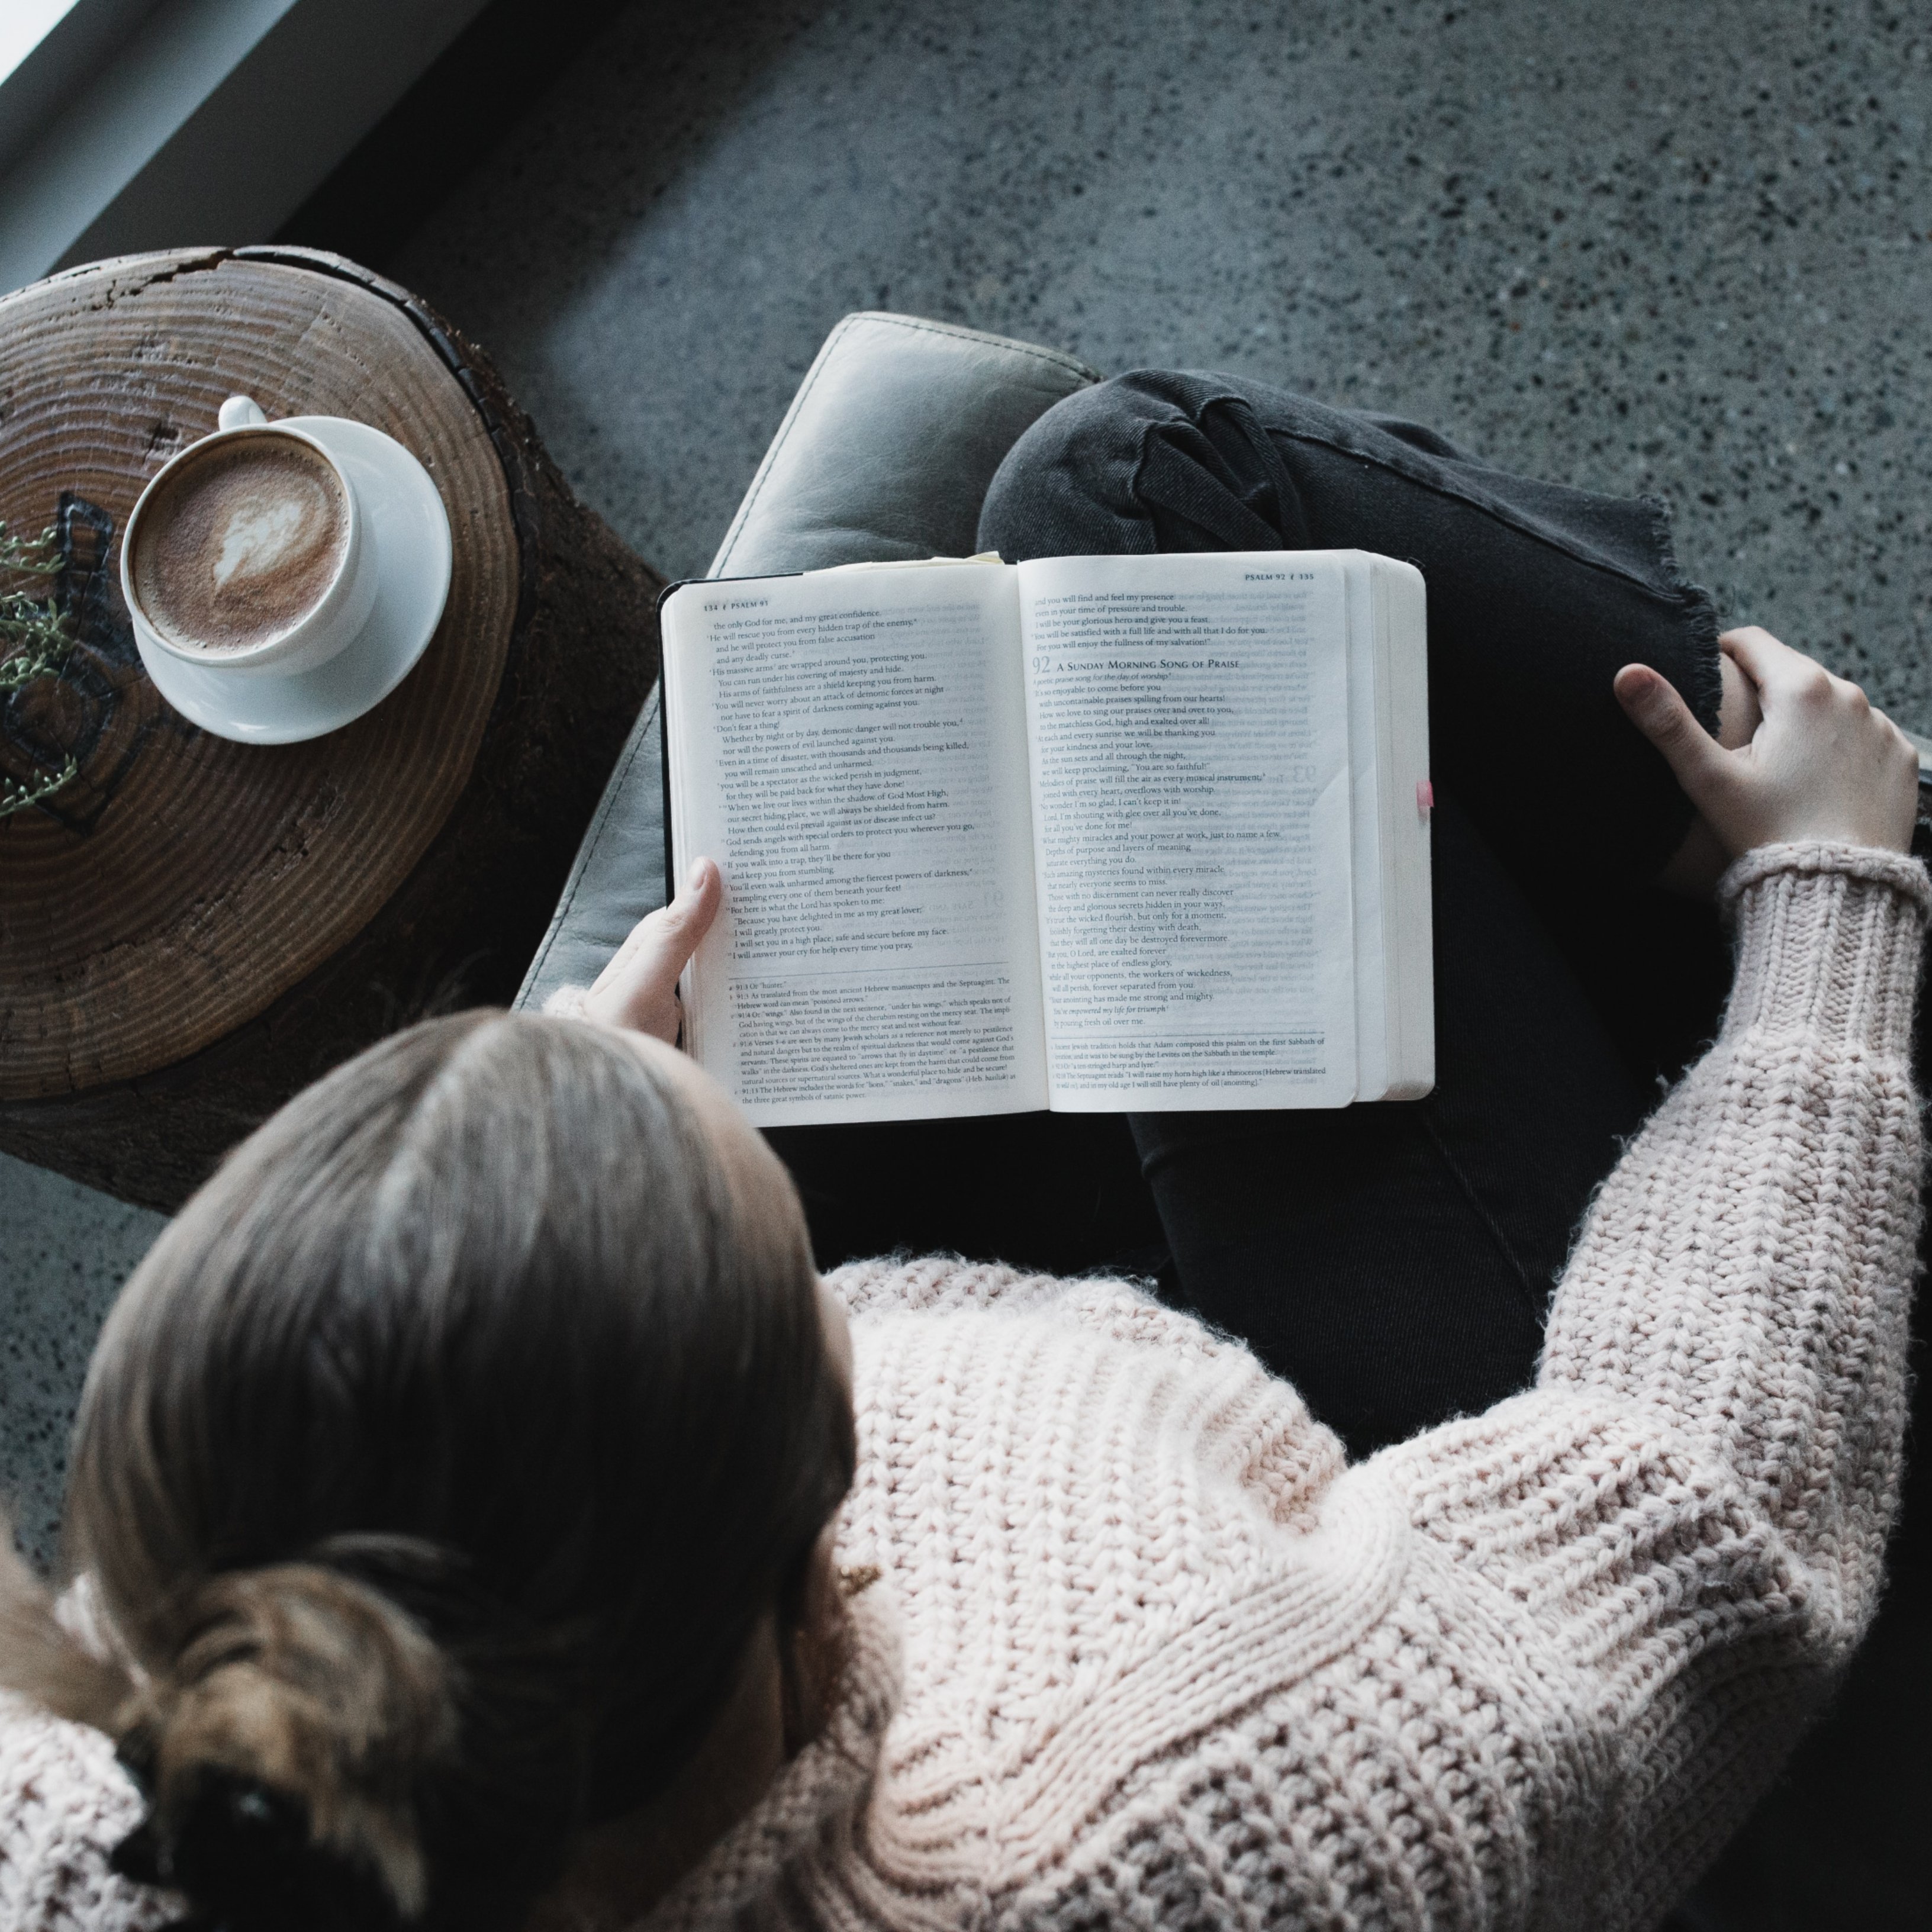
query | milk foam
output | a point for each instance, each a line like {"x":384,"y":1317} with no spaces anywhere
{"x":259,"y":536}
{"x":241,"y":543}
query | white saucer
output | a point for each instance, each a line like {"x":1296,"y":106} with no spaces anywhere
{"x":410,"y":529}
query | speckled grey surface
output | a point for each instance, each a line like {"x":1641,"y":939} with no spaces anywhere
{"x":1632,"y":245}
{"x":1635,"y":247}
{"x":63,"y":1251}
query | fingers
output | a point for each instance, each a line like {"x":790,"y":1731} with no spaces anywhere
{"x":1821,"y":763}
{"x":1775,"y":668}
{"x":638,"y":988}
{"x":1740,"y":711}
{"x":1785,"y":677}
{"x":682,"y":924}
{"x":1701,"y":766}
{"x":665,"y":940}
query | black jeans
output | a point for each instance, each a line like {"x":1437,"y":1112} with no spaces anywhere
{"x":1393,"y":1261}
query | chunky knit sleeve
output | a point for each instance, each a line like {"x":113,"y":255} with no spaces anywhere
{"x":63,"y":1806}
{"x":1646,"y":1572}
{"x":1745,"y":1272}
{"x":892,"y":1285}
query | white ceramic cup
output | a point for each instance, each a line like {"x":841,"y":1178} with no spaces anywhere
{"x":331,"y":622}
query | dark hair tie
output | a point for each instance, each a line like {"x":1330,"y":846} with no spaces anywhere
{"x":245,"y":1853}
{"x":280,"y":1754}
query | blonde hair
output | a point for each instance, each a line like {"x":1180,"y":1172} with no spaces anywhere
{"x":431,"y":1473}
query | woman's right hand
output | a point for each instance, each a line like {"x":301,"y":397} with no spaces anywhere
{"x":1823,"y":764}
{"x":638,"y":990}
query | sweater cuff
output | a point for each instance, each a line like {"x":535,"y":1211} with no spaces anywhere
{"x":567,"y":1003}
{"x":1829,"y":940}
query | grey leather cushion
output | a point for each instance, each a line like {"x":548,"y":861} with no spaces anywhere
{"x":885,"y":453}
{"x":888,"y":448}
{"x":618,"y":875}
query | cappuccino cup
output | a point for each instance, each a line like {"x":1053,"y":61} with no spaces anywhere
{"x":247,"y":551}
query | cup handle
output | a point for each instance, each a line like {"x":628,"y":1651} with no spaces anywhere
{"x":239,"y":412}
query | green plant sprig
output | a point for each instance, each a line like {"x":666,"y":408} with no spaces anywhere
{"x":34,"y":641}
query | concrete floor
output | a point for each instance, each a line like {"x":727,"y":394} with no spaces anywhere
{"x":1633,"y":246}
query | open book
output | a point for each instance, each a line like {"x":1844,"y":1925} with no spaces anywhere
{"x":1099,"y":834}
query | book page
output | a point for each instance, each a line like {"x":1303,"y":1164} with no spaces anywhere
{"x":851,"y":748}
{"x":1189,"y":725}
{"x":1368,"y":709}
{"x":1405,"y":808}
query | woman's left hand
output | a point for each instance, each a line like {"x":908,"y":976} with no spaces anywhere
{"x":638,"y":989}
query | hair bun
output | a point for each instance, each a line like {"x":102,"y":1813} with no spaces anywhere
{"x":280,"y":1754}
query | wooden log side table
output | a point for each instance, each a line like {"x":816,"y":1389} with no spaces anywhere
{"x":192,"y":929}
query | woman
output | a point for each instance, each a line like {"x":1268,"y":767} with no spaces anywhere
{"x":471,"y":1527}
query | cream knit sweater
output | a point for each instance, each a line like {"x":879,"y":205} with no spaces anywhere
{"x":1146,"y":1650}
